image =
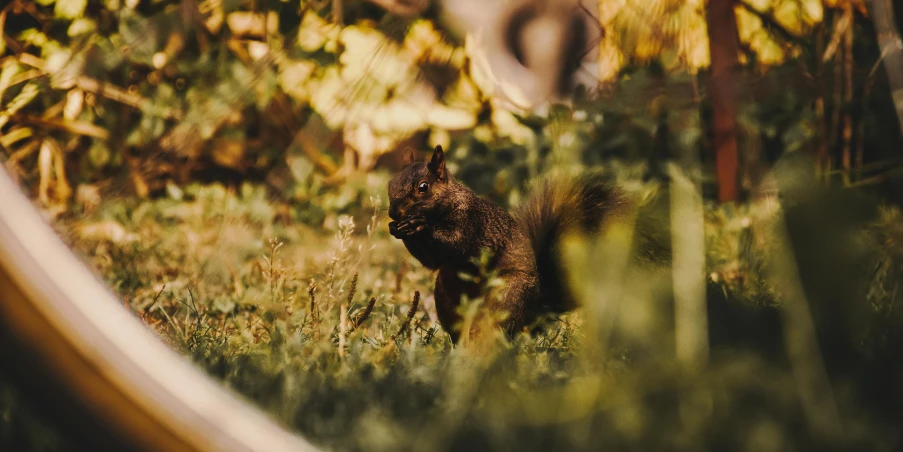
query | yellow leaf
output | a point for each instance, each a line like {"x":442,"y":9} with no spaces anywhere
{"x":421,"y":38}
{"x":610,"y":60}
{"x":813,"y":11}
{"x":508,"y":126}
{"x":294,"y":78}
{"x":398,"y":117}
{"x":369,"y":54}
{"x":74,"y":101}
{"x":70,"y":9}
{"x":368,"y":145}
{"x":315,"y":32}
{"x":443,"y":117}
{"x":326,"y":98}
{"x":788,"y":14}
{"x":463,"y":94}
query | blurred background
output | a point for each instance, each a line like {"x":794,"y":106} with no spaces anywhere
{"x":222,"y":164}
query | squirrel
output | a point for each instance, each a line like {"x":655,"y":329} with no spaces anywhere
{"x":445,"y":225}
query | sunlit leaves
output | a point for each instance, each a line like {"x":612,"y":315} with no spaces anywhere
{"x":29,"y":93}
{"x":750,"y":29}
{"x":369,"y":54}
{"x":82,"y":26}
{"x":315,"y":33}
{"x":70,"y":9}
{"x":10,"y":69}
{"x":373,"y":84}
{"x":138,"y":37}
{"x":644,"y":29}
{"x":294,"y":77}
{"x":839,"y":4}
{"x":149,"y":128}
{"x":674,"y":31}
{"x":248,"y":24}
{"x":33,"y":37}
{"x":375,"y":92}
{"x":444,"y":117}
{"x":424,"y":43}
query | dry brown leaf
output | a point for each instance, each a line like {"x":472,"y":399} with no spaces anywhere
{"x":229,"y":152}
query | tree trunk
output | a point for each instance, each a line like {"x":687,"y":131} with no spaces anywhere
{"x":723,"y":49}
{"x":882,"y":12}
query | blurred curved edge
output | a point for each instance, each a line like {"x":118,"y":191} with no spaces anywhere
{"x":58,"y":319}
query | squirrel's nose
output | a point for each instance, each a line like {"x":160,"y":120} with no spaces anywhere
{"x":395,"y":212}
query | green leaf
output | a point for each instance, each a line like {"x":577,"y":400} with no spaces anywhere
{"x":99,"y":154}
{"x":81,"y":26}
{"x":34,"y":37}
{"x":139,"y":37}
{"x":150,"y":128}
{"x":70,"y":9}
{"x":107,"y":49}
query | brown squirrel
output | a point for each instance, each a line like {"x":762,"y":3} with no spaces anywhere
{"x":445,"y":225}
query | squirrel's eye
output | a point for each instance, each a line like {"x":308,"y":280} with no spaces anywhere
{"x":422,"y":187}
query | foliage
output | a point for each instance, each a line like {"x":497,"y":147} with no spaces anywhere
{"x":233,"y":88}
{"x":118,"y":96}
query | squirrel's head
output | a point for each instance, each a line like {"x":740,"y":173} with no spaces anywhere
{"x":417,"y":190}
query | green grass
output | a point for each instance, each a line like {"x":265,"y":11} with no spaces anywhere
{"x":274,"y":309}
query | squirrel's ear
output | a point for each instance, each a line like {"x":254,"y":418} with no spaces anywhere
{"x":407,"y":156}
{"x":437,"y":164}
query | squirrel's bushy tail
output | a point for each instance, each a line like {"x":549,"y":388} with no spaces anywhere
{"x":558,"y":206}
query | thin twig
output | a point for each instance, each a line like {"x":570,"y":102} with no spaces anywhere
{"x":840,"y":28}
{"x":77,"y":127}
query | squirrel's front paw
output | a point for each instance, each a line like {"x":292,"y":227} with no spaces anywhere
{"x":406,"y":227}
{"x":414,"y":225}
{"x":393,"y":230}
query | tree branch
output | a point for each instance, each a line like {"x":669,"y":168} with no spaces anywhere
{"x":840,"y":28}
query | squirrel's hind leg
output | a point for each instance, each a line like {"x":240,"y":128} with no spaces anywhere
{"x":518,"y":303}
{"x":447,"y":301}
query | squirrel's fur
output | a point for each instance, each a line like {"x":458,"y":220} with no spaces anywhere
{"x":445,"y":226}
{"x":559,"y":206}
